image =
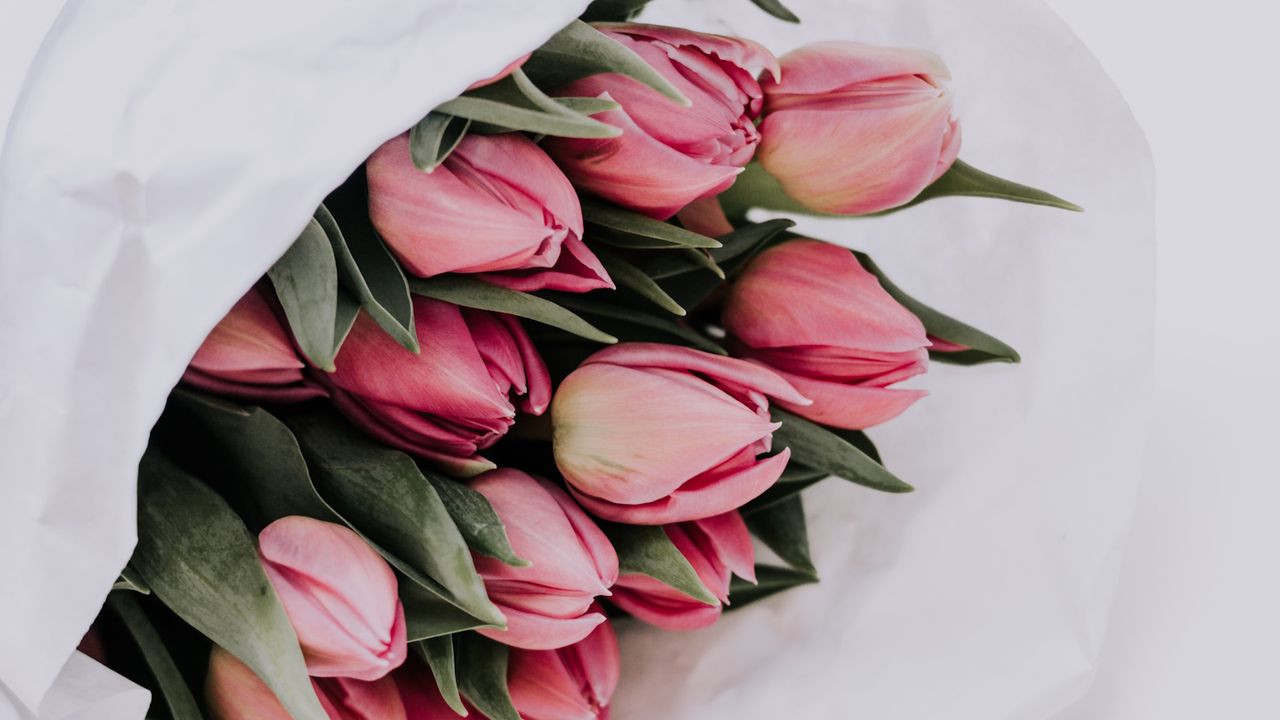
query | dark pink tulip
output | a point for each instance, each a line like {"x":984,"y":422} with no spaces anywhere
{"x":548,"y":604}
{"x":650,"y":434}
{"x":454,"y":398}
{"x":249,"y":354}
{"x":572,"y":683}
{"x":420,"y":694}
{"x":854,"y":129}
{"x":717,"y":548}
{"x":810,"y":311}
{"x":339,"y":595}
{"x":497,"y":206}
{"x":234,"y":692}
{"x":669,"y":155}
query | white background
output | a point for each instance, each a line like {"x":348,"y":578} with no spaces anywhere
{"x":1195,"y":630}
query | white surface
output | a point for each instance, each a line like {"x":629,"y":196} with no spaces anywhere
{"x":982,"y":596}
{"x":85,"y":690}
{"x":1195,"y":631}
{"x":158,"y":159}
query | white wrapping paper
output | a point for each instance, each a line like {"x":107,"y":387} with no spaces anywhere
{"x":158,"y":158}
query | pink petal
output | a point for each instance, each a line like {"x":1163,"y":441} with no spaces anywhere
{"x":852,"y":407}
{"x":348,"y":699}
{"x":705,"y":216}
{"x":234,"y":692}
{"x":541,"y":687}
{"x":532,"y":631}
{"x":731,"y":371}
{"x":577,"y":270}
{"x":829,"y":66}
{"x":744,"y":53}
{"x":731,"y":540}
{"x":655,"y":603}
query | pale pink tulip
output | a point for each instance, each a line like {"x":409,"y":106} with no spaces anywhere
{"x":669,"y":155}
{"x":454,"y":398}
{"x":339,"y":594}
{"x":249,"y":354}
{"x":548,"y":604}
{"x":812,"y":313}
{"x":498,"y":206}
{"x":234,"y":692}
{"x":650,"y":434}
{"x":854,"y":129}
{"x":572,"y":683}
{"x":717,"y":548}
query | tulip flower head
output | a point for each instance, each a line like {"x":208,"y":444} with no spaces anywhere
{"x":571,"y":683}
{"x":234,"y":692}
{"x":548,"y":604}
{"x":340,"y":597}
{"x":249,"y":354}
{"x":498,"y":206}
{"x":854,"y":129}
{"x":650,"y":434}
{"x":669,"y":155}
{"x":813,"y":314}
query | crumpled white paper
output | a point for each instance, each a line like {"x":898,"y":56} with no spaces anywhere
{"x":159,"y":158}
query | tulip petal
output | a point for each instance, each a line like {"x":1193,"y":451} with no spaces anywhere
{"x":826,"y":67}
{"x":747,"y":54}
{"x":577,"y":270}
{"x":532,"y":631}
{"x":731,"y":543}
{"x":654,"y":602}
{"x":235,"y":692}
{"x":729,"y":371}
{"x":852,"y":407}
{"x":348,"y":699}
{"x":542,"y":687}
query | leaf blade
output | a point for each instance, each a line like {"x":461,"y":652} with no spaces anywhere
{"x":821,"y":449}
{"x":473,"y":293}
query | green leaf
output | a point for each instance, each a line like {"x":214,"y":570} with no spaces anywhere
{"x":781,"y":527}
{"x":476,"y":519}
{"x":619,"y":320}
{"x":306,"y":281}
{"x":580,"y":50}
{"x":690,"y":285}
{"x":202,"y":563}
{"x":369,"y":272}
{"x":473,"y":293}
{"x":965,"y":179}
{"x":613,"y":10}
{"x":434,"y":138}
{"x":131,"y":581}
{"x":646,"y":550}
{"x":770,"y":580}
{"x":173,"y":688}
{"x":482,"y":676}
{"x":515,"y":103}
{"x":588,"y":105}
{"x":438,"y":652}
{"x":627,"y":229}
{"x":982,"y":347}
{"x":386,"y":499}
{"x":776,"y":9}
{"x":822,"y":449}
{"x":427,"y":615}
{"x":633,"y":278}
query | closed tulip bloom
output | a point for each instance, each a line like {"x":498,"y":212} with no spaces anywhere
{"x":249,"y":354}
{"x":234,"y":692}
{"x":339,"y":594}
{"x":669,"y":155}
{"x":549,"y":603}
{"x":812,"y":313}
{"x":572,"y":683}
{"x":456,"y":397}
{"x":650,"y":434}
{"x":854,"y":129}
{"x":498,"y":206}
{"x":718,"y":548}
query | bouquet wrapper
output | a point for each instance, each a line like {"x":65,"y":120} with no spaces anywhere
{"x":155,"y":163}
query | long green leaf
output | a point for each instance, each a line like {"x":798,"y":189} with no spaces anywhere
{"x":633,"y":278}
{"x":781,"y":527}
{"x":433,"y":139}
{"x":632,"y":324}
{"x":473,"y":293}
{"x":199,"y":559}
{"x":131,"y":581}
{"x":965,"y":179}
{"x":770,"y":580}
{"x":438,"y":652}
{"x":482,"y":676}
{"x":646,"y":550}
{"x":632,"y":230}
{"x":476,"y":519}
{"x":173,"y":688}
{"x":821,"y":449}
{"x":588,"y":105}
{"x":427,"y":615}
{"x":580,"y":50}
{"x":613,"y":10}
{"x":515,"y":103}
{"x":306,"y":281}
{"x":690,"y":284}
{"x":776,"y":9}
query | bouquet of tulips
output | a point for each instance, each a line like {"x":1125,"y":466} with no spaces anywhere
{"x":548,"y":360}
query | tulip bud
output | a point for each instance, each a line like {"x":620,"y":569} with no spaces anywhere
{"x":854,"y":129}
{"x":497,"y":206}
{"x":669,"y":155}
{"x":234,"y":692}
{"x":810,"y":311}
{"x":339,"y":595}
{"x":572,"y":683}
{"x":548,"y":604}
{"x":452,"y":399}
{"x":649,"y":434}
{"x":717,"y":548}
{"x":249,"y":354}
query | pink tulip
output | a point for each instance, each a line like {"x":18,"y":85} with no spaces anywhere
{"x":717,"y":548}
{"x":249,"y":354}
{"x":669,"y":155}
{"x":572,"y":683}
{"x":549,"y":603}
{"x":339,"y":595}
{"x":497,"y":206}
{"x":810,"y":311}
{"x":451,"y":400}
{"x":234,"y":692}
{"x":420,"y":694}
{"x":650,"y":434}
{"x":854,"y":129}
